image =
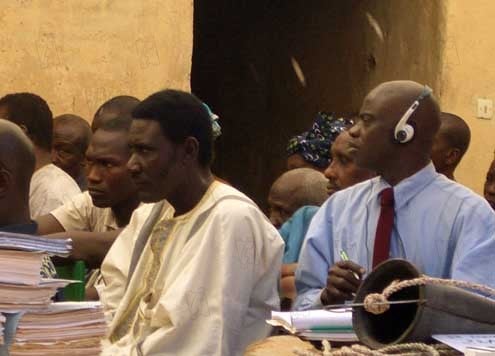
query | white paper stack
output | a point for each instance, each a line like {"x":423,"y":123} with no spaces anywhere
{"x":333,"y":325}
{"x":23,"y":242}
{"x":62,"y":328}
{"x":21,"y":258}
{"x":20,"y":267}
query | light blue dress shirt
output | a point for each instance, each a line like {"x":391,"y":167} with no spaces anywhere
{"x":440,"y":226}
{"x":294,"y":230}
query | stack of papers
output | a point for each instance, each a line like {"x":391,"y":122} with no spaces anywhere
{"x":62,"y":328}
{"x":16,"y":297}
{"x":333,"y":325}
{"x":20,"y":267}
{"x":2,"y":327}
{"x":21,"y":258}
{"x":13,"y":241}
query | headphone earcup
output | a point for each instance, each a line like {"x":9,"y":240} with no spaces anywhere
{"x":405,"y":134}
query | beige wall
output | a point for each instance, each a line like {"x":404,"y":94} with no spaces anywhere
{"x":468,"y":73}
{"x":76,"y":54}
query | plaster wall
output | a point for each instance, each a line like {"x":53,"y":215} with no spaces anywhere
{"x":468,"y":74}
{"x":77,"y":54}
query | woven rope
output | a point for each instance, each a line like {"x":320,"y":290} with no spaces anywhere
{"x":409,"y":349}
{"x":376,"y":303}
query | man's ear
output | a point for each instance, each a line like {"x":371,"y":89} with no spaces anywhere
{"x":453,"y":156}
{"x":5,"y":182}
{"x":190,"y":149}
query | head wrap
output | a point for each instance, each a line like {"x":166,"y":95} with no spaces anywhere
{"x":314,"y":144}
{"x":217,"y":130}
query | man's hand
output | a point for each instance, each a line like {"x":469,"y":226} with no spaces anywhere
{"x":289,"y":269}
{"x":341,"y":282}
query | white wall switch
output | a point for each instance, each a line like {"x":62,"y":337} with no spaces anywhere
{"x":485,"y":108}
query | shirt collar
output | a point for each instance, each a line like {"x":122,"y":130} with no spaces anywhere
{"x":408,"y":187}
{"x":109,"y":221}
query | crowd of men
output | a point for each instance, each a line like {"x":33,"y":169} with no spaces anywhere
{"x":185,"y":264}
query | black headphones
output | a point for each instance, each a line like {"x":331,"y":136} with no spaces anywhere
{"x":404,"y":132}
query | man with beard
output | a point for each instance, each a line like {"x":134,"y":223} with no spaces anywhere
{"x":198,"y":275}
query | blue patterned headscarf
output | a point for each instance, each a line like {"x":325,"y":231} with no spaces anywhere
{"x":314,"y":144}
{"x":217,"y":130}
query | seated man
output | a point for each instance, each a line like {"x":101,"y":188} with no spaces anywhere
{"x":489,"y":187}
{"x":71,"y":135}
{"x":294,"y":189}
{"x":109,"y":202}
{"x":311,"y":148}
{"x":197,"y":276}
{"x":409,"y":211}
{"x":450,"y":144}
{"x":341,"y":173}
{"x":50,"y":186}
{"x":17,"y":162}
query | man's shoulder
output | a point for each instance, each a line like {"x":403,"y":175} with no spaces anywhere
{"x":230,"y":202}
{"x":144,"y":209}
{"x":445,"y":189}
{"x":223,"y":194}
{"x":357,"y":192}
{"x":52,"y":178}
{"x":82,"y":203}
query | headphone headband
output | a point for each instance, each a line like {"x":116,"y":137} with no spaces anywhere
{"x":427,"y":91}
{"x":404,"y":132}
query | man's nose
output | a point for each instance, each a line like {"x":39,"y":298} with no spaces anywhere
{"x":92,"y":174}
{"x":330,"y":172}
{"x":133,"y":165}
{"x":354,"y":130}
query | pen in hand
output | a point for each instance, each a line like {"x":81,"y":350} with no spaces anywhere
{"x":344,"y":257}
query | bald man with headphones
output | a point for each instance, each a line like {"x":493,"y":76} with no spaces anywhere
{"x":408,"y":211}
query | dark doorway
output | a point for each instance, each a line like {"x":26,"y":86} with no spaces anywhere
{"x":267,"y":67}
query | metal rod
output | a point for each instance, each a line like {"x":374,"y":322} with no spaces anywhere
{"x":351,"y":305}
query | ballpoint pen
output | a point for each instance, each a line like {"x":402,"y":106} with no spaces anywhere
{"x":344,"y":257}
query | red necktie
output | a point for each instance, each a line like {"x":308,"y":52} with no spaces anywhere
{"x":381,"y":249}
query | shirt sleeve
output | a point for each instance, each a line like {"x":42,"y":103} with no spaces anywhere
{"x":315,"y":260}
{"x":473,"y":258}
{"x":75,"y":214}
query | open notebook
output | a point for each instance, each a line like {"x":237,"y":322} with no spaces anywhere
{"x":334,"y":325}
